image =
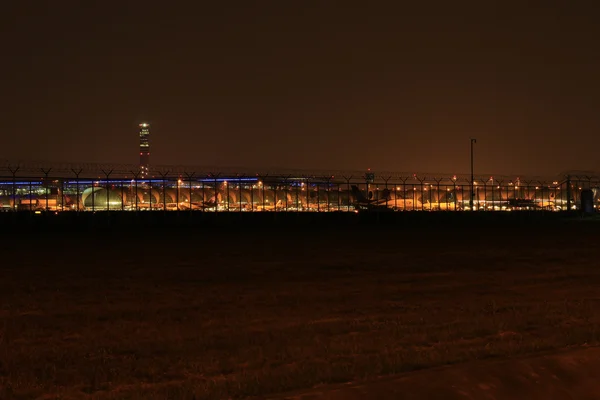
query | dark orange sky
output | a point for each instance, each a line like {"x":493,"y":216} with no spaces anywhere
{"x":305,"y":85}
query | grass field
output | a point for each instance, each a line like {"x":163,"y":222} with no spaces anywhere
{"x":146,"y":315}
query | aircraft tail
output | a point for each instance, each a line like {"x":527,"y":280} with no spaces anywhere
{"x":358,"y":195}
{"x":386,"y":194}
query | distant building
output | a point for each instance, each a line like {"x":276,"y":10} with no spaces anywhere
{"x":144,"y":149}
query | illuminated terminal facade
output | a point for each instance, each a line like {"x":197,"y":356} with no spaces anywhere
{"x":144,"y":150}
{"x":169,"y":189}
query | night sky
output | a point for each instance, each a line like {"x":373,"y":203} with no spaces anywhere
{"x":301,"y":84}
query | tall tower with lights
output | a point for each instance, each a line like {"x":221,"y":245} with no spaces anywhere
{"x":144,"y":149}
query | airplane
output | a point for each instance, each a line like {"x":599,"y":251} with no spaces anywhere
{"x":395,"y":201}
{"x":385,"y":201}
{"x":360,"y":197}
{"x":204,"y":205}
{"x":522,"y":203}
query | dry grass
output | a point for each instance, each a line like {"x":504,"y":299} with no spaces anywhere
{"x":193,"y":316}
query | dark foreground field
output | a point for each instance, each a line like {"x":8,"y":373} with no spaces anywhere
{"x":222,"y":314}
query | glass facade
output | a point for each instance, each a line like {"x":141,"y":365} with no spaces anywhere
{"x":235,"y":193}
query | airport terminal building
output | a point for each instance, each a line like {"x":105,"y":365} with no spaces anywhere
{"x":93,"y":187}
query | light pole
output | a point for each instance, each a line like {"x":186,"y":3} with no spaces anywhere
{"x":473,"y":141}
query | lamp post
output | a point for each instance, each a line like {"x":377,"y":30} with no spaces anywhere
{"x":473,"y":141}
{"x":177,"y":194}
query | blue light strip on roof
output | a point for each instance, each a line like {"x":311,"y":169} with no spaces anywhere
{"x":159,"y":180}
{"x":32,"y":183}
{"x":170,"y":182}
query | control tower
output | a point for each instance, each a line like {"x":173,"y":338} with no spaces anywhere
{"x":144,"y":149}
